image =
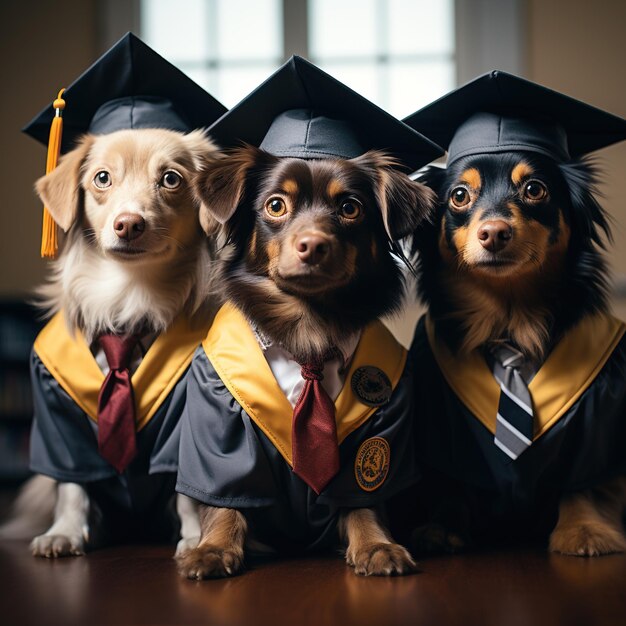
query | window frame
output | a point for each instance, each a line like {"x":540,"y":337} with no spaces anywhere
{"x":484,"y":29}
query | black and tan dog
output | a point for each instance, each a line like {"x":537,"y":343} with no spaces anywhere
{"x":298,"y":423}
{"x":516,"y":252}
{"x":522,"y":391}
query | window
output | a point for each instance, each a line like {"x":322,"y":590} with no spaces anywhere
{"x":398,"y":53}
{"x":226,"y":46}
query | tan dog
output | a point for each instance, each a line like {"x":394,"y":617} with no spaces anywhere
{"x":134,"y":259}
{"x":134,"y":252}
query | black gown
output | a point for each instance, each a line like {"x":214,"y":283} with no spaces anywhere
{"x":579,"y":401}
{"x":138,"y":503}
{"x":236,"y":438}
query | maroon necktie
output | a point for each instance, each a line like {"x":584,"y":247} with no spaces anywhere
{"x":314,"y":433}
{"x":116,"y":405}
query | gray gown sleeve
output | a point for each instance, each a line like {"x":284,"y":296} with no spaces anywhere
{"x":222,"y":461}
{"x":63,"y":443}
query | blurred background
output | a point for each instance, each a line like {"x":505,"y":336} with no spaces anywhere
{"x":400,"y":53}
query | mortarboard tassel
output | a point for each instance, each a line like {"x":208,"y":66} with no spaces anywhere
{"x":49,"y":238}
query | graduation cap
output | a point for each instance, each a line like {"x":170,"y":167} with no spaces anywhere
{"x":130,"y":86}
{"x":300,"y":111}
{"x":499,"y":112}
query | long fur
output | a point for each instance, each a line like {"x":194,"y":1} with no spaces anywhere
{"x":308,"y":313}
{"x":591,"y":522}
{"x":469,"y":310}
{"x":307,"y":326}
{"x":31,"y":512}
{"x":99,"y":292}
{"x":535,"y":307}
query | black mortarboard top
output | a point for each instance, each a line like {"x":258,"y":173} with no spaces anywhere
{"x":300,"y":111}
{"x":129,"y":86}
{"x":499,"y":112}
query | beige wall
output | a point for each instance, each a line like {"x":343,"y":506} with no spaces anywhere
{"x":579,"y":47}
{"x":576,"y":46}
{"x":42,"y":43}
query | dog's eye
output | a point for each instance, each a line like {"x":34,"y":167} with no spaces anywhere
{"x":460,"y":197}
{"x":535,"y":190}
{"x":171,"y":180}
{"x":102,"y":179}
{"x":275,"y":207}
{"x":350,"y":209}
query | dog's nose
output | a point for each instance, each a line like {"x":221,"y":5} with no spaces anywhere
{"x":129,"y":226}
{"x":494,"y":235}
{"x":312,"y":248}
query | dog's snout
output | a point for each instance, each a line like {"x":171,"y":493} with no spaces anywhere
{"x":312,"y":248}
{"x":129,"y":226}
{"x":494,"y":235}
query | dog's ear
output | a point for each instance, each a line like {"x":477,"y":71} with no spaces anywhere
{"x":60,"y":189}
{"x":592,"y":221}
{"x":222,"y":187}
{"x":205,"y":155}
{"x":403,"y":202}
{"x":424,"y":239}
{"x":203,"y":151}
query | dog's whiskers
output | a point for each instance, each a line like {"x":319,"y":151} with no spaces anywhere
{"x":179,"y":244}
{"x":90,"y":235}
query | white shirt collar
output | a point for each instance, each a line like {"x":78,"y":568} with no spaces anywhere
{"x":287,"y":371}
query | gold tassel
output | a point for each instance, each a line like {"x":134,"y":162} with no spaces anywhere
{"x":49,"y":237}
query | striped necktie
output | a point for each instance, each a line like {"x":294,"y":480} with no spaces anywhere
{"x":514,"y":423}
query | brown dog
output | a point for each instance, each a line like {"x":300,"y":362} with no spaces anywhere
{"x":311,"y":268}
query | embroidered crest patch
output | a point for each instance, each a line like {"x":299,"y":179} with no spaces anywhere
{"x":371,"y":465}
{"x":371,"y":385}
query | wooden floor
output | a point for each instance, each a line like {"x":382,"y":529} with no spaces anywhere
{"x":139,"y":585}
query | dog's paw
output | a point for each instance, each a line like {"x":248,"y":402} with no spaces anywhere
{"x":54,"y":546}
{"x":435,"y":539}
{"x":381,"y":559}
{"x":590,"y":539}
{"x":186,"y":544}
{"x":209,"y":562}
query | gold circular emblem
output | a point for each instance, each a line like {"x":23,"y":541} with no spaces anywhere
{"x":371,"y":465}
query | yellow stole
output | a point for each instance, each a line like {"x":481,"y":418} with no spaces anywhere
{"x":565,"y":375}
{"x":69,"y":360}
{"x":239,"y":361}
